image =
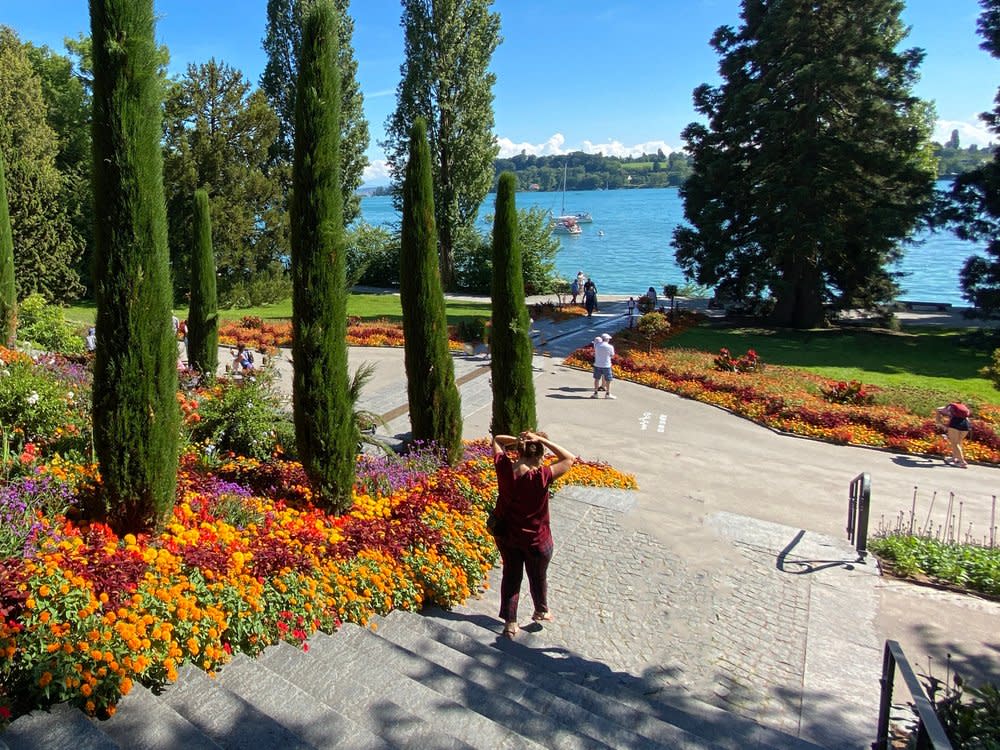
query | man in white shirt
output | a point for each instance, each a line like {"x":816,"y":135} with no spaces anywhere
{"x":603,"y":352}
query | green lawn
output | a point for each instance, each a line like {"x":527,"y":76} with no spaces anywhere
{"x":366,"y":306}
{"x":920,"y":364}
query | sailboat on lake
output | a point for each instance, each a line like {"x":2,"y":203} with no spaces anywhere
{"x":569,"y":223}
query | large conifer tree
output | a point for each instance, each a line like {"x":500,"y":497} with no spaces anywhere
{"x":975,"y":195}
{"x":813,"y":165}
{"x":446,"y":80}
{"x":435,"y":406}
{"x":203,"y":316}
{"x":510,"y":337}
{"x":135,"y":372}
{"x":325,"y":430}
{"x":281,"y":43}
{"x":8,"y":291}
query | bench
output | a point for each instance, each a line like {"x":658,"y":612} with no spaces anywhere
{"x":913,"y":305}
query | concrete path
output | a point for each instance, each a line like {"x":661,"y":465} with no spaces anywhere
{"x":727,"y":577}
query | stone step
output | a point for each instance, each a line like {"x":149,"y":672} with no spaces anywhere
{"x":340,"y":671}
{"x":224,"y":716}
{"x":538,"y":725}
{"x":494,"y":657}
{"x":63,"y":727}
{"x":318,"y":724}
{"x":628,"y":693}
{"x":144,"y":721}
{"x":496,"y":672}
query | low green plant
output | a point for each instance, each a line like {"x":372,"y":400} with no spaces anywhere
{"x":749,"y":362}
{"x":970,"y":715}
{"x":968,"y":566}
{"x":43,"y":326}
{"x":651,"y":326}
{"x":843,"y":392}
{"x":38,"y":408}
{"x":239,"y":417}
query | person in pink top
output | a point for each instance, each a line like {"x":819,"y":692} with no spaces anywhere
{"x":523,"y":534}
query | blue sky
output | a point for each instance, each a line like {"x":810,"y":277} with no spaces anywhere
{"x":614,"y":76}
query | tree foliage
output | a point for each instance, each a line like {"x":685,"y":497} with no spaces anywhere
{"x":325,"y":430}
{"x":8,"y":292}
{"x":814,"y":164}
{"x":218,"y":137}
{"x":435,"y":406}
{"x":539,"y":247}
{"x":510,"y":342}
{"x":975,"y":196}
{"x":446,"y":80}
{"x":281,"y":43}
{"x":46,"y":243}
{"x":203,"y":315}
{"x":136,"y":418}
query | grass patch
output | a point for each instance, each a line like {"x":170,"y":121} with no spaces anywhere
{"x":367,"y":306}
{"x":916,"y":368}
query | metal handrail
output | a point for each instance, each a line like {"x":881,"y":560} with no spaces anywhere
{"x":858,"y":509}
{"x":930,"y":732}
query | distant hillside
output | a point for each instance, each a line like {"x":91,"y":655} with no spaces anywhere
{"x":595,"y":172}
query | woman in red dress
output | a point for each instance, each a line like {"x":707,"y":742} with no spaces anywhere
{"x":523,"y":535}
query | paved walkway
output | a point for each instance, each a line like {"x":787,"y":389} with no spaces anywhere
{"x":726,"y":577}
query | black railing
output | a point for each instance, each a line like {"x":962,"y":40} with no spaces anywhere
{"x":858,"y":508}
{"x":930,"y":733}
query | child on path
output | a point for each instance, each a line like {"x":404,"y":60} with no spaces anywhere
{"x":956,"y":416}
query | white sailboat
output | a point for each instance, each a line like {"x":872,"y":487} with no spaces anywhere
{"x":569,"y":223}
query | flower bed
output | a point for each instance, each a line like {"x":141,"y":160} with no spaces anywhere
{"x":256,"y":333}
{"x":793,"y":401}
{"x":245,"y":561}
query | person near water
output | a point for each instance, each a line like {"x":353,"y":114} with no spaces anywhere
{"x":523,"y":534}
{"x":590,"y":297}
{"x":955,"y":418}
{"x":603,"y":354}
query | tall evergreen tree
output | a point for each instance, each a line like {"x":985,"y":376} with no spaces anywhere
{"x":814,"y":163}
{"x":975,"y":195}
{"x":46,"y":242}
{"x":446,"y":80}
{"x":135,"y":410}
{"x":281,"y":43}
{"x":203,"y":316}
{"x":219,"y":137}
{"x":325,"y":430}
{"x":510,"y":337}
{"x":435,"y":406}
{"x":8,"y":292}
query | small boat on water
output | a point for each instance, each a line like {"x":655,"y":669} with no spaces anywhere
{"x":565,"y":225}
{"x":582,"y":217}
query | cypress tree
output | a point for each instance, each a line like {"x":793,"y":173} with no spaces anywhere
{"x":203,"y":317}
{"x":510,"y":342}
{"x":435,"y":406}
{"x":135,"y":370}
{"x":8,"y":291}
{"x":325,"y":430}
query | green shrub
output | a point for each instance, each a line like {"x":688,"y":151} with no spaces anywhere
{"x":970,"y":716}
{"x":240,"y":418}
{"x":36,"y":407}
{"x":965,"y":565}
{"x":43,"y":326}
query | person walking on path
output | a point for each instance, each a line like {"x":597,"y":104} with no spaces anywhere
{"x":590,"y":297}
{"x":603,"y":352}
{"x":523,"y":534}
{"x":576,"y":287}
{"x":956,"y":416}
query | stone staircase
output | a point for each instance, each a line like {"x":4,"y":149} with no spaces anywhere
{"x":432,"y":680}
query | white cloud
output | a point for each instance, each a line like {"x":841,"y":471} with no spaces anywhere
{"x":968,"y":132}
{"x":380,"y":94}
{"x":376,"y":173}
{"x":556,"y":145}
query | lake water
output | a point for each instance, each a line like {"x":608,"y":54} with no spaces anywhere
{"x":627,"y":248}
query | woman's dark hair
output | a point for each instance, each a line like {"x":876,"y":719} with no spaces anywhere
{"x":532,"y":448}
